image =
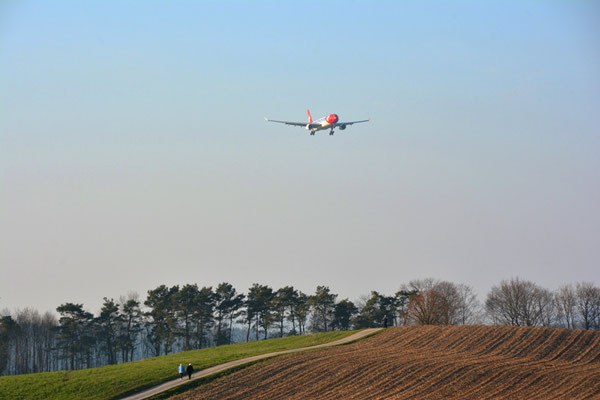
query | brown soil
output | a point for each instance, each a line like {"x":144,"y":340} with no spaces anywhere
{"x":429,"y":362}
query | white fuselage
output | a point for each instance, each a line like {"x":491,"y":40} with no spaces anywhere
{"x":327,"y":122}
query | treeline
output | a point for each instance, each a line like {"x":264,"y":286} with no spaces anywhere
{"x":173,"y":319}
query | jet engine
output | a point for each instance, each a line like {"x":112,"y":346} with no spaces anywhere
{"x":342,"y":127}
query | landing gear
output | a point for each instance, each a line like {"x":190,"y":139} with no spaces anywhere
{"x":312,"y":133}
{"x":331,"y":132}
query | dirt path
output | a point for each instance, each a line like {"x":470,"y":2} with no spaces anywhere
{"x":221,"y":367}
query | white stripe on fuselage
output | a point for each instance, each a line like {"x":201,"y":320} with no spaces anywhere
{"x":319,"y":127}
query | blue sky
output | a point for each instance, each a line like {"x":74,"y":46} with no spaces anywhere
{"x":133,"y":150}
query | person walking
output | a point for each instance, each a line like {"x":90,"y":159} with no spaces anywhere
{"x":181,"y":371}
{"x":190,"y":370}
{"x":385,"y":321}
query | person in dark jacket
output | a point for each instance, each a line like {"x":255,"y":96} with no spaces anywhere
{"x":190,"y":370}
{"x":385,"y":321}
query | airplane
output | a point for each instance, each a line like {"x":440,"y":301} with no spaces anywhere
{"x":330,"y":121}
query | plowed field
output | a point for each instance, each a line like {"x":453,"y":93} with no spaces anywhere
{"x":429,"y":362}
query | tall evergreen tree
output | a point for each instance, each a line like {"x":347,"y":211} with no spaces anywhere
{"x":130,"y":328}
{"x":186,"y":305}
{"x":301,"y":310}
{"x":162,"y":323}
{"x":108,"y":325}
{"x":402,"y":299}
{"x":227,"y":304}
{"x":251,"y":310}
{"x":264,"y":303}
{"x":8,"y":330}
{"x":236,"y":304}
{"x":75,"y":336}
{"x":292,"y":304}
{"x":323,"y":304}
{"x":374,"y":309}
{"x":203,"y":317}
{"x":283,"y":303}
{"x":343,"y":313}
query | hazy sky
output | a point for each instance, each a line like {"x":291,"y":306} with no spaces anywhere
{"x":134,"y":153}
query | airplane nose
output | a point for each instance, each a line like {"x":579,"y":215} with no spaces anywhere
{"x":332,"y":118}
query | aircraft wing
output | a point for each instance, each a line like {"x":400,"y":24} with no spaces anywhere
{"x":352,"y":122}
{"x":287,"y":122}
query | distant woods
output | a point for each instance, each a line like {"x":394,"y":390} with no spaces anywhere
{"x":172,"y":319}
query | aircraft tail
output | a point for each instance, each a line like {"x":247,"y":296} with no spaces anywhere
{"x":309,"y":117}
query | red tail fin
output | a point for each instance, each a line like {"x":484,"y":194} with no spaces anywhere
{"x":309,"y":117}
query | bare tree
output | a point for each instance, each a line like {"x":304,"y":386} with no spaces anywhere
{"x":468,"y":309}
{"x":565,"y":300}
{"x":546,"y":306}
{"x":449,"y":307}
{"x":588,"y":305}
{"x":419,"y":285}
{"x":428,"y":307}
{"x":455,"y":303}
{"x":520,"y":303}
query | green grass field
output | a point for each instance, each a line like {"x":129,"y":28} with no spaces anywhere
{"x":115,"y":381}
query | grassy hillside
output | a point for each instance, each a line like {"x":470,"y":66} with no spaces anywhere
{"x":114,"y":381}
{"x":428,"y":362}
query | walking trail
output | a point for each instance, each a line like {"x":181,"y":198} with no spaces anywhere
{"x":221,"y":367}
